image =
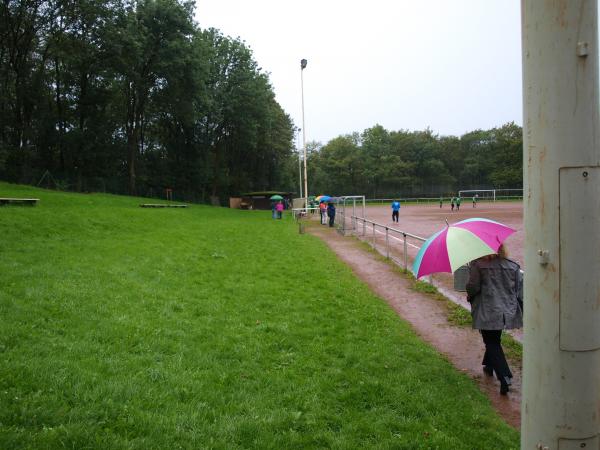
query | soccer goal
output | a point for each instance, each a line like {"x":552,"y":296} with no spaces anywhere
{"x":348,"y":205}
{"x":492,"y":194}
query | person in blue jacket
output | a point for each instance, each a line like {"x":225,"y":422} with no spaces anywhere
{"x":395,"y":210}
{"x":331,"y":213}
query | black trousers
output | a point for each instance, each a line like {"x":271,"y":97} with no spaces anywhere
{"x":331,"y":220}
{"x":494,"y":355}
{"x":395,"y":216}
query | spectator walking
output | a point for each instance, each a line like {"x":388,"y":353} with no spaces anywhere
{"x":331,"y":213}
{"x":279,"y":208}
{"x":395,"y":210}
{"x":495,"y":291}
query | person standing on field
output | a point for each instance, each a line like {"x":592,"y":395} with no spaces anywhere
{"x":331,"y":213}
{"x":475,"y":200}
{"x":458,"y":200}
{"x":441,"y":202}
{"x":273,"y":210}
{"x":452,"y":204}
{"x":395,"y":210}
{"x":495,"y":292}
{"x":279,"y":208}
{"x":323,"y":211}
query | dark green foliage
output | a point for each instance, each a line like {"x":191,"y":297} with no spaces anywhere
{"x":379,"y":163}
{"x":116,"y":95}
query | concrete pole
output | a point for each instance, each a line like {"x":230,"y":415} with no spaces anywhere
{"x":561,"y":379}
{"x":302,"y":67}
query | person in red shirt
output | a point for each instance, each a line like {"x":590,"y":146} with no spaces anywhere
{"x":323,"y":211}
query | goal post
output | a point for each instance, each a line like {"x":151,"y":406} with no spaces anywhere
{"x":347,"y":202}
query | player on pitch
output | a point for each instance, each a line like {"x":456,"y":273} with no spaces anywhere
{"x":395,"y":210}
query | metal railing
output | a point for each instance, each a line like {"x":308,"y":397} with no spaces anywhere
{"x":390,"y":233}
{"x":302,"y":212}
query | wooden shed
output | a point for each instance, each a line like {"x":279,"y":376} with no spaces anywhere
{"x":259,"y":200}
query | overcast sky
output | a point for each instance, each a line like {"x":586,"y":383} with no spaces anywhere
{"x":451,"y":65}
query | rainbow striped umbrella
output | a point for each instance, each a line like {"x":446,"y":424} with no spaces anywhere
{"x":459,"y":243}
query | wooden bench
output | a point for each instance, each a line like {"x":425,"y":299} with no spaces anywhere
{"x":18,"y":201}
{"x":161,"y":205}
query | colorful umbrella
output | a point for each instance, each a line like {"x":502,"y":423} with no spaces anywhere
{"x":459,"y":243}
{"x":323,"y":198}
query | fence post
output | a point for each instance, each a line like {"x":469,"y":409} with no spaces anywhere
{"x":405,"y":253}
{"x":387,"y":243}
{"x":373,"y":224}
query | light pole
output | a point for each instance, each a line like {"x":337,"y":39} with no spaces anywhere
{"x":299,"y":166}
{"x":302,"y":67}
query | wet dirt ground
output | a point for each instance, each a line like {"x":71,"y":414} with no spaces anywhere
{"x":462,"y":346}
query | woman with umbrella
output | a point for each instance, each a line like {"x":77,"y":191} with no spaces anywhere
{"x":275,"y":200}
{"x":323,"y":199}
{"x":494,"y":288}
{"x":495,"y":291}
{"x":323,"y":211}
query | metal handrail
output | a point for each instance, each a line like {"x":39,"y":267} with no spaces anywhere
{"x":387,"y":236}
{"x":296,"y":211}
{"x":413,"y":236}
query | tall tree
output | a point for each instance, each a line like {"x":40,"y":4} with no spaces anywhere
{"x":156,"y":33}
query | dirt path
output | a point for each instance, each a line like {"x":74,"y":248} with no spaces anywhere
{"x":462,"y":346}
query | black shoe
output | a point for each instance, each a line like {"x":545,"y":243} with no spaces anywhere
{"x":504,"y":388}
{"x":488,"y":371}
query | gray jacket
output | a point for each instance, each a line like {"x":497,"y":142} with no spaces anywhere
{"x":495,"y":291}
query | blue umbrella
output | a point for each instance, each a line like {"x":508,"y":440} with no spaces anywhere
{"x":323,"y":198}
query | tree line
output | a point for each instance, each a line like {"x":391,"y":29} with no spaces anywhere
{"x":132,"y":96}
{"x":382,"y":164}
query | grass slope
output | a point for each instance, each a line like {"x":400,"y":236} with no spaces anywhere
{"x":123,"y":327}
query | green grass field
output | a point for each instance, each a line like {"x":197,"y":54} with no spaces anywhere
{"x":131,"y":328}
